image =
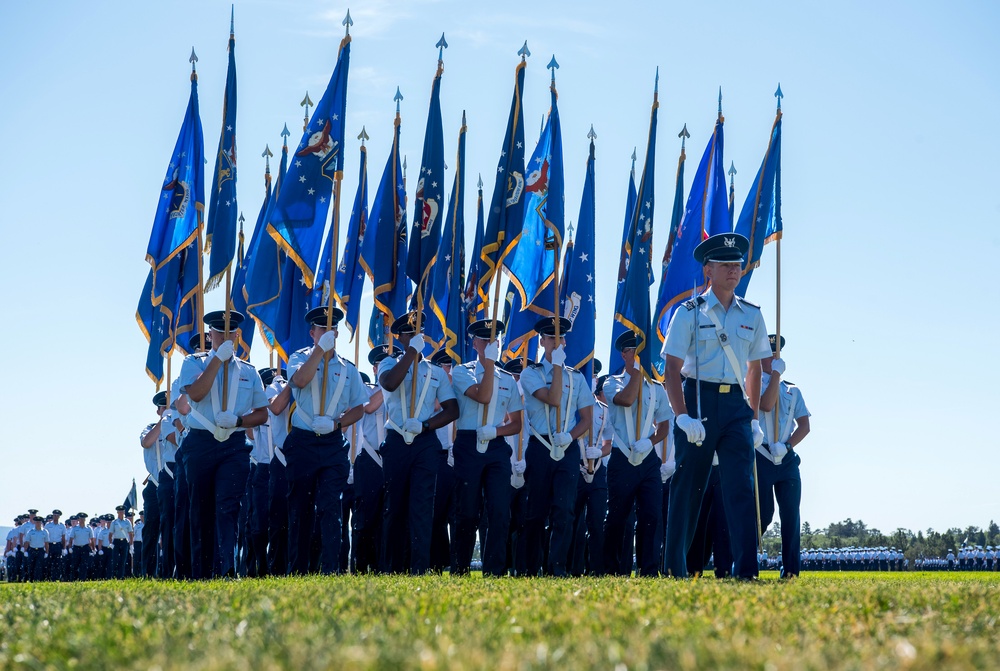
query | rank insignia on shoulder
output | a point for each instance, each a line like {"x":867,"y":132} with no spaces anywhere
{"x":200,"y":355}
{"x":690,"y":304}
{"x":743,"y":300}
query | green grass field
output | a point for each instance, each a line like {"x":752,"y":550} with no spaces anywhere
{"x":820,"y":621}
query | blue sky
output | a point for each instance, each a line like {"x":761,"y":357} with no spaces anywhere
{"x":889,"y":162}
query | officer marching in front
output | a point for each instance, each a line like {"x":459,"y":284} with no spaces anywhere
{"x":36,"y":543}
{"x":559,"y":405}
{"x":728,"y":337}
{"x":411,"y":448}
{"x":58,"y":537}
{"x":316,"y":450}
{"x":122,"y":534}
{"x":489,"y":410}
{"x":634,"y":467}
{"x":216,"y":458}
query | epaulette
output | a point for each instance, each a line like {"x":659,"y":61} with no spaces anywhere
{"x":691,"y":303}
{"x":534,"y":364}
{"x":743,"y":300}
{"x":200,"y":355}
{"x":303,"y":350}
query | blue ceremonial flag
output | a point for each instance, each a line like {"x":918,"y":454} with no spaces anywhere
{"x":220,"y":229}
{"x":675,"y":221}
{"x":446,"y":327}
{"x":237,"y":299}
{"x":506,"y":212}
{"x":376,"y":328}
{"x":425,"y":236}
{"x":182,"y":197}
{"x":633,"y":309}
{"x":760,"y":219}
{"x":298,"y":218}
{"x":163,"y":324}
{"x":186,"y":310}
{"x":291,"y":332}
{"x":350,"y":274}
{"x":383,"y":251}
{"x":263,"y":277}
{"x":706,"y":214}
{"x":615,"y":361}
{"x":519,"y":341}
{"x":131,"y":499}
{"x":472,"y":306}
{"x":579,"y":281}
{"x":532,"y":264}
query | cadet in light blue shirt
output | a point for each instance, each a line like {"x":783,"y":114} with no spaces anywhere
{"x":36,"y":542}
{"x":411,"y":448}
{"x":559,"y":405}
{"x":316,"y":450}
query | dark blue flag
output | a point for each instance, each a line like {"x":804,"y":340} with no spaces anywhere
{"x":760,"y":219}
{"x":131,"y":499}
{"x":168,"y":323}
{"x":182,"y":197}
{"x":520,"y":341}
{"x":220,"y":230}
{"x":298,"y":218}
{"x":446,"y":327}
{"x":350,"y":273}
{"x":506,"y":213}
{"x":706,"y":213}
{"x":615,"y":361}
{"x":238,"y":301}
{"x":425,"y":236}
{"x":263,"y":277}
{"x":376,"y":328}
{"x":633,"y":310}
{"x":662,"y":298}
{"x":579,"y":279}
{"x":474,"y":308}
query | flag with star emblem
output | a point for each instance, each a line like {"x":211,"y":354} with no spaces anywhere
{"x":350,"y":275}
{"x":760,"y":218}
{"x":376,"y":328}
{"x":262,"y":284}
{"x":425,"y":236}
{"x":383,"y":251}
{"x":475,"y":309}
{"x":237,"y":299}
{"x":532,"y":264}
{"x":174,"y":315}
{"x":633,"y":308}
{"x":661,"y":300}
{"x":298,"y":219}
{"x":220,"y":229}
{"x":506,"y":213}
{"x":182,"y":199}
{"x":706,"y":214}
{"x":615,"y":361}
{"x":578,"y":280}
{"x":446,"y":327}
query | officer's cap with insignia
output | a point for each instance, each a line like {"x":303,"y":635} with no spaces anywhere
{"x":130,"y":514}
{"x":598,"y":367}
{"x":382,"y":351}
{"x":772,"y":338}
{"x":627,"y":340}
{"x":546,"y":326}
{"x":81,"y":516}
{"x":442,"y":358}
{"x":365,"y":378}
{"x":32,"y":510}
{"x":199,"y":341}
{"x":514,"y":366}
{"x":722,"y":248}
{"x":57,"y":512}
{"x":217,"y":320}
{"x":317,"y":316}
{"x":119,"y":508}
{"x":484,"y":328}
{"x":160,"y":398}
{"x":266,"y":376}
{"x":407,"y":324}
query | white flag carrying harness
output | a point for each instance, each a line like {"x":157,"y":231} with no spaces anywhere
{"x":557,"y":453}
{"x":730,"y":354}
{"x":786,"y":420}
{"x":234,"y":380}
{"x":314,"y":388}
{"x":491,"y":410}
{"x":424,"y":387}
{"x":630,"y":428}
{"x":366,"y":444}
{"x":587,"y":476}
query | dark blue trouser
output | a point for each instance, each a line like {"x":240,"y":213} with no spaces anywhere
{"x":727,"y":432}
{"x":711,"y":537}
{"x":366,"y":517}
{"x":152,"y":527}
{"x":119,"y":557}
{"x":482,"y":479}
{"x":54,"y":565}
{"x":165,"y":497}
{"x":517,"y":551}
{"x":410,"y":480}
{"x":277,"y":519}
{"x":217,"y":478}
{"x":36,"y":564}
{"x":79,"y":562}
{"x":442,"y":545}
{"x":551,"y":489}
{"x":182,"y":518}
{"x":784,"y":483}
{"x":639,"y":486}
{"x":590,"y":513}
{"x":259,"y":484}
{"x":317,"y":474}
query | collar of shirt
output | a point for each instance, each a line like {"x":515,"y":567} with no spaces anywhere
{"x":712,"y":301}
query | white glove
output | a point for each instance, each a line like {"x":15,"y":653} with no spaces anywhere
{"x":328,"y":341}
{"x":778,"y":451}
{"x":413,"y":425}
{"x":417,"y":343}
{"x":758,"y":434}
{"x":636,"y":363}
{"x":225,"y":351}
{"x":350,"y":476}
{"x":10,"y":554}
{"x":226,"y":420}
{"x":486,"y":433}
{"x":778,"y":366}
{"x":451,"y":457}
{"x":561,"y":439}
{"x":559,"y":356}
{"x":667,"y":470}
{"x":323,"y":424}
{"x":640,"y":449}
{"x":694,"y":429}
{"x":65,"y":552}
{"x":594,"y":453}
{"x":131,"y":550}
{"x":46,"y":555}
{"x":492,"y":351}
{"x":100,"y":553}
{"x":520,"y":466}
{"x":516,"y":480}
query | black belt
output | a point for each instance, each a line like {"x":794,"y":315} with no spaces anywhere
{"x":718,"y":387}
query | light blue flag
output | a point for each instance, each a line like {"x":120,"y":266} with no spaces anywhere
{"x":760,"y":219}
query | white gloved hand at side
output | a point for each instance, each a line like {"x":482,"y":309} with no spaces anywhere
{"x":667,"y":470}
{"x":492,"y":351}
{"x":758,"y":433}
{"x":225,"y":351}
{"x":328,"y":341}
{"x":451,"y":457}
{"x":323,"y":425}
{"x":350,"y":476}
{"x":593,"y":452}
{"x":559,"y":356}
{"x":520,"y":466}
{"x":226,"y":419}
{"x":486,"y":433}
{"x":778,"y":451}
{"x":778,"y":366}
{"x":693,"y":428}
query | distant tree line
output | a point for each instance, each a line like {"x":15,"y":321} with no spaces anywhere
{"x":850,"y":533}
